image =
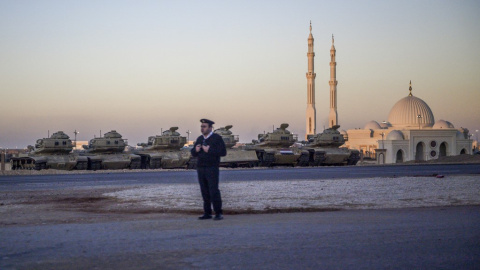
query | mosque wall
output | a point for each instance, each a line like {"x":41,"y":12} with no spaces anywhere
{"x":392,"y":148}
{"x":465,"y":145}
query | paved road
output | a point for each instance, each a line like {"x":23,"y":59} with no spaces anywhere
{"x":139,"y":178}
{"x":421,"y":238}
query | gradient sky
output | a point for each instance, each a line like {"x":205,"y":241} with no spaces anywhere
{"x":140,"y":66}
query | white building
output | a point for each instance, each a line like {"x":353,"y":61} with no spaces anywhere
{"x":411,"y":133}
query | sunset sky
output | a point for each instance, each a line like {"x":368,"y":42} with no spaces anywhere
{"x":140,"y":66}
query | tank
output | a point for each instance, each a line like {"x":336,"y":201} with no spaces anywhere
{"x":275,"y":148}
{"x":164,"y":151}
{"x":50,"y":153}
{"x":108,"y":153}
{"x":324,"y":149}
{"x":235,"y":157}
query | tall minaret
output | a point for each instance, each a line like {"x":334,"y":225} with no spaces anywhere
{"x":311,"y":111}
{"x":333,"y":116}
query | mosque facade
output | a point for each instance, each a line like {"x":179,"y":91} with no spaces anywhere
{"x":411,"y":133}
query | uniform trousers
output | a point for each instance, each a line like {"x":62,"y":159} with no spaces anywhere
{"x":208,"y":180}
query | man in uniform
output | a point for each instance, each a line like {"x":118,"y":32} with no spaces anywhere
{"x":208,"y":149}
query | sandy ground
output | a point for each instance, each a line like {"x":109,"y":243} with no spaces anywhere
{"x":88,"y":204}
{"x":309,"y":195}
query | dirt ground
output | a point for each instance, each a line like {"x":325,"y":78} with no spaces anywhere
{"x":79,"y":205}
{"x":116,"y":203}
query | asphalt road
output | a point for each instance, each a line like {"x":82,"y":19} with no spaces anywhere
{"x":168,"y":177}
{"x":419,"y":238}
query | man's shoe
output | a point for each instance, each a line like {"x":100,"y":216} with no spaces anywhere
{"x":205,"y":217}
{"x":218,"y":217}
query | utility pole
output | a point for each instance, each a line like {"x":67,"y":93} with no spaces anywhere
{"x":75,"y":132}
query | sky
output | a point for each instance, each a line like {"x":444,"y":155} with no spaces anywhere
{"x":140,"y":67}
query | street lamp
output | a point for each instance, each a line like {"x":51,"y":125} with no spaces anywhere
{"x":419,"y":120}
{"x":76,"y":132}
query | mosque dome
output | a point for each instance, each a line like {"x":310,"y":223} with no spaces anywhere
{"x":395,"y":135}
{"x":385,"y":125}
{"x":372,"y":125}
{"x":443,"y":124}
{"x":406,"y":112}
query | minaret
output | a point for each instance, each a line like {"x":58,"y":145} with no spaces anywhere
{"x":311,"y":112}
{"x":333,"y":116}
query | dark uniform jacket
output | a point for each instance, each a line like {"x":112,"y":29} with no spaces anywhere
{"x":217,"y":150}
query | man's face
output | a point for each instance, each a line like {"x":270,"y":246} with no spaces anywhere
{"x":205,"y":129}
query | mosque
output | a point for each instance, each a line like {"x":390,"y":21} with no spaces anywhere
{"x":410,"y":133}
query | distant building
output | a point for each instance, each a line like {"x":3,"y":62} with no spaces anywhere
{"x":411,"y":133}
{"x":79,"y":145}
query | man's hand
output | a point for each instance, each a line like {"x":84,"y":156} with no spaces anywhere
{"x":205,"y":148}
{"x":198,"y":147}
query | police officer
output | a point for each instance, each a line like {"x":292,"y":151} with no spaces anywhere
{"x":208,"y":149}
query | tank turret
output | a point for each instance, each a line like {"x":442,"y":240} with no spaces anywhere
{"x":108,"y":152}
{"x":274,"y":148}
{"x":280,"y":137}
{"x":59,"y":143}
{"x":330,"y":137}
{"x":228,"y":138}
{"x":324,"y":149}
{"x":111,"y":142}
{"x":169,"y":140}
{"x":164,"y":151}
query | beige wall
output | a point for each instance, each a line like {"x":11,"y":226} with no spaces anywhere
{"x":79,"y":145}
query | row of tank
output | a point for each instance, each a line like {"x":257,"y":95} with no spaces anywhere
{"x":277,"y":148}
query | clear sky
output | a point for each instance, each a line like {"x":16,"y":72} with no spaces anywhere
{"x":140,"y":66}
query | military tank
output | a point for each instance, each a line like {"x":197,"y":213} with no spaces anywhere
{"x":274,"y":148}
{"x":236,"y":157}
{"x":108,"y":153}
{"x":50,"y":153}
{"x":164,"y":151}
{"x":324,"y":149}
